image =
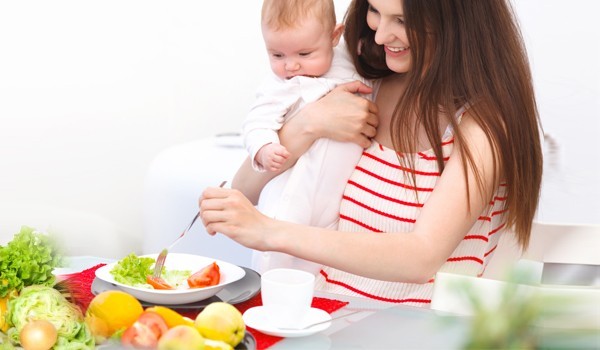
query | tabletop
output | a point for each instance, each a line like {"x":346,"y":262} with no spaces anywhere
{"x":378,"y":325}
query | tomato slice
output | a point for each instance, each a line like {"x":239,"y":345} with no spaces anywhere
{"x":208,"y":276}
{"x":154,"y":321}
{"x":145,"y":331}
{"x":158,"y":282}
{"x":139,"y":336}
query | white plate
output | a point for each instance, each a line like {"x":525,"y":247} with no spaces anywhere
{"x":258,"y":319}
{"x":177,"y":261}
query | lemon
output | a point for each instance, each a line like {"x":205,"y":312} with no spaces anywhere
{"x":3,"y":311}
{"x":111,"y":311}
{"x":172,"y":317}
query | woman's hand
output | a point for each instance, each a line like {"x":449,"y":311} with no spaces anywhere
{"x":229,"y":212}
{"x":344,"y":116}
{"x":341,"y":115}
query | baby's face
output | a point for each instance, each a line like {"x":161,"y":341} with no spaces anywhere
{"x":306,"y":50}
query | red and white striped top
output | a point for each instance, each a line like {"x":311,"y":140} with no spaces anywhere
{"x":379,"y":197}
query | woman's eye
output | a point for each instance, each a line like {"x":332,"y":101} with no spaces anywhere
{"x":400,"y":20}
{"x":372,"y":9}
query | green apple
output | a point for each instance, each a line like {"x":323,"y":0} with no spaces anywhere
{"x":221,"y":321}
{"x":182,"y":337}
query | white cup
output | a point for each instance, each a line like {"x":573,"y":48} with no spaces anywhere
{"x":287,"y":295}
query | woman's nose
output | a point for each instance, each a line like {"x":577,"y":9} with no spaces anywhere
{"x":383,"y":34}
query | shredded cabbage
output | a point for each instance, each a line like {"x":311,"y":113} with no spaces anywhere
{"x":42,"y":302}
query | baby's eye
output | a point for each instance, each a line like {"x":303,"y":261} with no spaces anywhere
{"x":277,"y":55}
{"x":304,"y":54}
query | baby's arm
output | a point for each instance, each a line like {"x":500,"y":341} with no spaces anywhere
{"x":272,"y":156}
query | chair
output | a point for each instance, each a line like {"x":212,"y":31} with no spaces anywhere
{"x":172,"y":188}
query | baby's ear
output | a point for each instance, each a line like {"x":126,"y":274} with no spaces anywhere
{"x":337,"y":34}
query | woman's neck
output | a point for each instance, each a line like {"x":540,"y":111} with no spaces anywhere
{"x":388,"y":95}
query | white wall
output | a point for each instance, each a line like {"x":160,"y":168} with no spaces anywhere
{"x":563,"y":40}
{"x":90,"y":92}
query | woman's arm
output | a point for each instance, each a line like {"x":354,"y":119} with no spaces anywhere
{"x":407,"y":257}
{"x":340,"y":115}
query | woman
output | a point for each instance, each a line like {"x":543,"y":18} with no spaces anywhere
{"x":455,"y":158}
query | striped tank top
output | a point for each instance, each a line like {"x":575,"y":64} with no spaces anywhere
{"x":379,"y":197}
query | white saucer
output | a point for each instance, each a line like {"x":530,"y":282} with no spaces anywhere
{"x":258,"y":319}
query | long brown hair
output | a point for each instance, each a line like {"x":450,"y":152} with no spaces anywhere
{"x":464,"y":52}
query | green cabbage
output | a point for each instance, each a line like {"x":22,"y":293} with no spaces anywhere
{"x":46,"y":303}
{"x":28,"y":259}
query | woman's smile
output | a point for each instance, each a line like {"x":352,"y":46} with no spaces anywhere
{"x":395,"y":51}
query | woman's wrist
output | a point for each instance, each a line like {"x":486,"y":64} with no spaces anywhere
{"x":310,"y":127}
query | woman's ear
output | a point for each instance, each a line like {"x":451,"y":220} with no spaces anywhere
{"x":337,"y":34}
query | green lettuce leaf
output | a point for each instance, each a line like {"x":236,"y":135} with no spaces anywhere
{"x":28,"y":259}
{"x":132,"y":270}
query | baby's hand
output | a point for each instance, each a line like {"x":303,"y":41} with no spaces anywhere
{"x":272,"y":156}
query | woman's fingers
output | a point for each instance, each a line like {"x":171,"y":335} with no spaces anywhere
{"x":356,"y":87}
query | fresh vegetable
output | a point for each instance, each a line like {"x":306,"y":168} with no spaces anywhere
{"x":146,"y":331}
{"x":38,"y":335}
{"x":46,"y":303}
{"x":139,"y":336}
{"x":28,"y":259}
{"x":208,"y":276}
{"x":158,"y":282}
{"x":132,"y":270}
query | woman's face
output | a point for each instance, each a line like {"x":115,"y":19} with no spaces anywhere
{"x":386,"y":18}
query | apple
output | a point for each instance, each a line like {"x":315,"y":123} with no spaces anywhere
{"x":182,"y":337}
{"x":221,"y":321}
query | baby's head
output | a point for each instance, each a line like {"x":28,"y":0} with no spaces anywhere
{"x":300,"y":36}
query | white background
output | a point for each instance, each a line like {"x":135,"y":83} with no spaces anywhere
{"x":90,"y":92}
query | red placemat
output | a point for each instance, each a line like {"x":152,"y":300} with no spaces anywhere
{"x":80,"y":286}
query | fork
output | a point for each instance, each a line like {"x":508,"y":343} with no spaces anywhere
{"x":160,"y":260}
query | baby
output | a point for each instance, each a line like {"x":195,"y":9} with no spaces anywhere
{"x":301,"y":39}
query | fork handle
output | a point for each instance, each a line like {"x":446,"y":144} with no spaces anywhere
{"x":184,"y":232}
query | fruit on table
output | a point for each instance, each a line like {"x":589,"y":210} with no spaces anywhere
{"x":111,"y":311}
{"x":210,"y":344}
{"x":221,"y":321}
{"x":4,"y":325}
{"x":171,"y":317}
{"x":38,"y":335}
{"x":145,"y":331}
{"x":3,"y":310}
{"x":182,"y":337}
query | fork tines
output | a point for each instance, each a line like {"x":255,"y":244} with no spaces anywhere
{"x":160,"y":262}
